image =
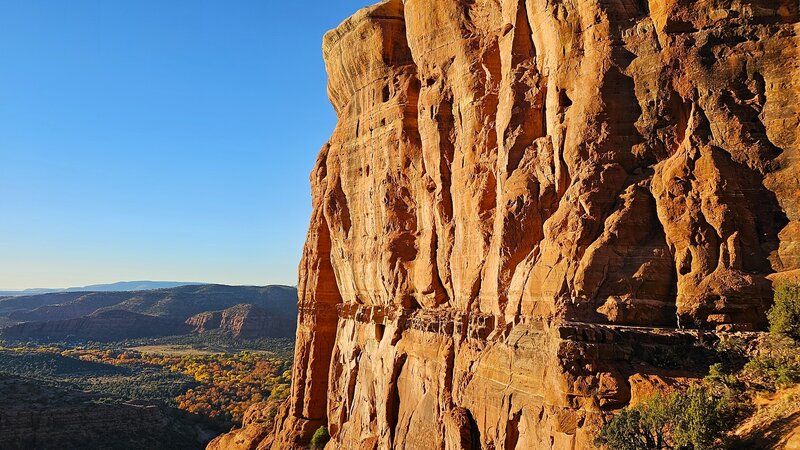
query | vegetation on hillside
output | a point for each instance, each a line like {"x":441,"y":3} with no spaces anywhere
{"x":37,"y":413}
{"x":216,"y":387}
{"x":702,"y":417}
{"x":220,"y":343}
{"x":784,"y":316}
{"x":695,"y":419}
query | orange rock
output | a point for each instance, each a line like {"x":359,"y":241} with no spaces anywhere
{"x":255,"y":428}
{"x":242,"y":321}
{"x":644,"y":386}
{"x":511,"y":187}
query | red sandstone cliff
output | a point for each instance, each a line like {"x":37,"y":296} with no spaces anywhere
{"x":511,"y":187}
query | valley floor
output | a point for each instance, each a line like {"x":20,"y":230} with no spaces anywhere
{"x":170,"y":393}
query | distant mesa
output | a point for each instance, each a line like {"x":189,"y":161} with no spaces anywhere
{"x":243,"y":320}
{"x":240,"y":311}
{"x":133,"y":286}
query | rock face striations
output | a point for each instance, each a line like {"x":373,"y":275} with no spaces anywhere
{"x":522,"y":203}
{"x":243,"y":321}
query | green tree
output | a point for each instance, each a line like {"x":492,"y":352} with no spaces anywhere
{"x":699,"y":418}
{"x":784,"y":316}
{"x":775,"y":364}
{"x":320,"y":438}
{"x":691,"y":420}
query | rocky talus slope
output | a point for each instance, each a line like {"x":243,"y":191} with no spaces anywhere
{"x":522,"y":203}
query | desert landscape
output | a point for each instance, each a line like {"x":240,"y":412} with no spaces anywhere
{"x":143,"y":368}
{"x":535,"y":225}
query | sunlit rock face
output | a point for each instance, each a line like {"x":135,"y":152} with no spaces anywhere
{"x":521,"y":203}
{"x":245,"y":321}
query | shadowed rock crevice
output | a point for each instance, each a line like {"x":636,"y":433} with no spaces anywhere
{"x":393,"y":400}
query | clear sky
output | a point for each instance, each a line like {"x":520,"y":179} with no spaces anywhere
{"x":160,"y":140}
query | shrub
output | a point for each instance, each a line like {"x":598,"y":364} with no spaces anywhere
{"x":776,"y":364}
{"x":721,"y":382}
{"x":692,"y":420}
{"x":784,"y":316}
{"x":698,"y":418}
{"x":732,"y":353}
{"x":639,"y":428}
{"x":320,"y":438}
{"x":701,"y":419}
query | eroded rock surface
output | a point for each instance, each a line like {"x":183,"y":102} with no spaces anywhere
{"x":522,"y":203}
{"x":243,"y":321}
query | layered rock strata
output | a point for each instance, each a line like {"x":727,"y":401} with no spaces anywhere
{"x":243,"y":321}
{"x":519,"y":194}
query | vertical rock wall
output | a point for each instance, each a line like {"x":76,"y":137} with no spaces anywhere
{"x":520,"y":200}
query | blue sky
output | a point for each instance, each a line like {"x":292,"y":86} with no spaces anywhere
{"x":166,"y":140}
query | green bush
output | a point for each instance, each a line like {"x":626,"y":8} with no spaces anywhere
{"x":639,"y":428}
{"x":775,"y":365}
{"x":320,"y":438}
{"x":692,"y":420}
{"x":732,"y":353}
{"x":721,"y":382}
{"x":784,"y":316}
{"x":702,"y":419}
{"x":698,"y":418}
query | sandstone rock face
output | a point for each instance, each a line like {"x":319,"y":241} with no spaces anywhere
{"x":256,"y":426}
{"x":517,"y":193}
{"x":245,"y":321}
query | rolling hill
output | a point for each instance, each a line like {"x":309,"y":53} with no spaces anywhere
{"x":259,"y":311}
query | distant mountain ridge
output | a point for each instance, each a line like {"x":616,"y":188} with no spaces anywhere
{"x":101,"y":326}
{"x":260,"y":311}
{"x":120,"y":286}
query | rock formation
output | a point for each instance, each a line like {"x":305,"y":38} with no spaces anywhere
{"x":256,"y":426}
{"x":243,"y":321}
{"x":523,"y":204}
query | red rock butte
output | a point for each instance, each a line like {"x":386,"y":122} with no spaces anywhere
{"x":525,"y":202}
